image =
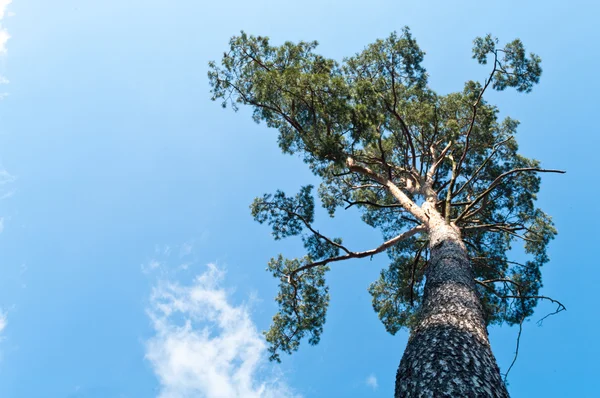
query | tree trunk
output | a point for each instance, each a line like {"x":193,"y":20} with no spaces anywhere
{"x":448,"y":353}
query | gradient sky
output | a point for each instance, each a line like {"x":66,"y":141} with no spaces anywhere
{"x":129,"y":263}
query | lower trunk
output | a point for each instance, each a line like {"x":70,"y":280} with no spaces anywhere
{"x":448,"y":352}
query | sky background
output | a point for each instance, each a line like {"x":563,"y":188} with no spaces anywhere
{"x":129,"y":263}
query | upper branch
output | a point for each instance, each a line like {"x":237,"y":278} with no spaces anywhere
{"x":472,"y":123}
{"x":496,"y":182}
{"x":406,"y":133}
{"x":402,"y":198}
{"x":496,"y":147}
{"x":438,"y":161}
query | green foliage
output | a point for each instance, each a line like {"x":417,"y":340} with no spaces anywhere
{"x":303,"y":296}
{"x":519,"y":71}
{"x":292,"y":216}
{"x":377,"y":110}
{"x":285,"y":215}
{"x":303,"y":302}
{"x":399,"y":287}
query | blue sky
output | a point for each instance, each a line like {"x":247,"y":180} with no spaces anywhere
{"x":129,"y":263}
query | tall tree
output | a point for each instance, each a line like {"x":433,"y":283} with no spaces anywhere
{"x":439,"y":175}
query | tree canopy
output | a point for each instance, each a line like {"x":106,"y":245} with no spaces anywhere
{"x":381,"y":140}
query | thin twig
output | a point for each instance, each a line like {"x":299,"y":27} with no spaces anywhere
{"x":558,"y":309}
{"x":516,"y":350}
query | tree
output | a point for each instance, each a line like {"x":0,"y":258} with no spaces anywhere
{"x":439,"y":175}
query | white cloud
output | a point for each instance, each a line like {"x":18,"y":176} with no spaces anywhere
{"x":5,"y":176}
{"x":372,"y":381}
{"x":151,"y":266}
{"x":185,"y":249}
{"x":204,"y":346}
{"x":2,"y":321}
{"x":164,"y":250}
{"x":3,"y":5}
{"x":4,"y":36}
{"x":185,"y":266}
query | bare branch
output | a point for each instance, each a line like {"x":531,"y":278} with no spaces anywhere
{"x":384,"y":246}
{"x":496,"y":182}
{"x":450,"y":188}
{"x":369,"y":203}
{"x":506,"y":227}
{"x":475,"y":107}
{"x":366,"y":202}
{"x":558,"y":309}
{"x":516,"y":350}
{"x":561,"y":306}
{"x":505,"y":280}
{"x":482,"y":226}
{"x":402,"y":198}
{"x":406,"y":133}
{"x":496,"y":147}
{"x":439,"y":160}
{"x":441,"y":187}
{"x":309,"y":226}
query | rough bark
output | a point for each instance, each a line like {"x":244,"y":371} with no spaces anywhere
{"x":448,"y":353}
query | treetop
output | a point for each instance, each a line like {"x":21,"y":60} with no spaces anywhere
{"x":383,"y":141}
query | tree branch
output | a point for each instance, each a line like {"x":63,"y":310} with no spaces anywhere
{"x":496,"y":147}
{"x":414,"y":269}
{"x":309,"y":226}
{"x":450,"y":188}
{"x":439,"y":160}
{"x":402,"y":198}
{"x":384,"y":246}
{"x":366,"y":202}
{"x":406,"y":133}
{"x":561,"y":306}
{"x":516,"y":350}
{"x":495,"y":183}
{"x":475,"y":105}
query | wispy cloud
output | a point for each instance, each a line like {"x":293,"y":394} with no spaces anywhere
{"x":3,"y":5}
{"x":5,"y":176}
{"x":150,"y":266}
{"x":4,"y":36}
{"x":372,"y":381}
{"x":205,"y":346}
{"x":2,"y":321}
{"x":185,"y":249}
